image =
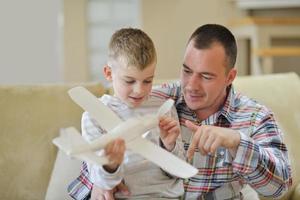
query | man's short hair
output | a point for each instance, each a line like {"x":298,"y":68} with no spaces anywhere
{"x":207,"y":35}
{"x":133,"y":47}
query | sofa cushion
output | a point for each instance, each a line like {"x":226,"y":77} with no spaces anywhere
{"x":31,"y":117}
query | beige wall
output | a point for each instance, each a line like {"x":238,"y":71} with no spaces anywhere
{"x":168,"y":22}
{"x":30,"y":42}
{"x":171,"y":22}
{"x":75,"y":41}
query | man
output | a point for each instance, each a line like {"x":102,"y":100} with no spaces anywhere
{"x":231,"y":139}
{"x":235,"y":141}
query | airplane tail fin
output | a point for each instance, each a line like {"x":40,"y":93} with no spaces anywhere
{"x":69,"y":141}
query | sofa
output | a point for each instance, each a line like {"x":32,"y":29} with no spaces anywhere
{"x":31,"y":116}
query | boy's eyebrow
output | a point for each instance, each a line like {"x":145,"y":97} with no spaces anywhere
{"x":200,"y":73}
{"x":130,"y":77}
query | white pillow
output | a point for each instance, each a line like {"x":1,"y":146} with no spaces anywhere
{"x":65,"y":170}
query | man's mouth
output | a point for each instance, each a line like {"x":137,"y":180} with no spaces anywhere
{"x":193,"y":96}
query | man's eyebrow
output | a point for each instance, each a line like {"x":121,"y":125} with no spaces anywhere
{"x":200,"y":73}
{"x":185,"y":66}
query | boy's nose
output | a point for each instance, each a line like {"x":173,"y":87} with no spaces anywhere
{"x":138,"y":89}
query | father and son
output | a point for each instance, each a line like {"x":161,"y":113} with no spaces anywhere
{"x":231,"y":139}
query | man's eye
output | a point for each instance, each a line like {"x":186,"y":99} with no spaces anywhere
{"x":207,"y":77}
{"x":187,"y":71}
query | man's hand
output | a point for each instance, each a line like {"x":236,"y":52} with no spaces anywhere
{"x":209,"y":138}
{"x":100,"y":194}
{"x":115,"y":153}
{"x":169,"y":131}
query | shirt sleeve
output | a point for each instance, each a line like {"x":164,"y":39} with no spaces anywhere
{"x":99,"y":176}
{"x":262,"y":158}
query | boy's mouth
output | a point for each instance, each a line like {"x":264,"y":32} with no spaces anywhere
{"x":137,"y":99}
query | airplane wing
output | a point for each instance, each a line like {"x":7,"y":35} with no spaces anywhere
{"x":100,"y":112}
{"x":111,"y":122}
{"x":164,"y":159}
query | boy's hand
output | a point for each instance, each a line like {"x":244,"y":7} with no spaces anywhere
{"x":115,"y":153}
{"x":169,"y":131}
{"x":101,"y":194}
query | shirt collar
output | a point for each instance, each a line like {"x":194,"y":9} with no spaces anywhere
{"x":229,"y":105}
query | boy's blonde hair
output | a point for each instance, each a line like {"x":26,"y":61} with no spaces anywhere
{"x":131,"y":47}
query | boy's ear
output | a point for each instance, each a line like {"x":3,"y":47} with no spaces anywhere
{"x":107,"y":71}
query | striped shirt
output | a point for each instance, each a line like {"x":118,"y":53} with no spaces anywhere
{"x":261,"y":159}
{"x":144,"y":179}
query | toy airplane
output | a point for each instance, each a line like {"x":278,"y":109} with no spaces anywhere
{"x":131,"y":130}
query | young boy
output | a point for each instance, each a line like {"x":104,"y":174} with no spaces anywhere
{"x":130,"y":68}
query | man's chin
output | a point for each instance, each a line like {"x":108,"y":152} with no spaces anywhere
{"x":194,"y":105}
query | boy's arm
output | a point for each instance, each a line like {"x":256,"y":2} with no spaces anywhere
{"x":98,"y":175}
{"x":177,"y":147}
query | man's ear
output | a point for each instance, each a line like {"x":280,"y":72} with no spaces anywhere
{"x":231,"y":76}
{"x":107,"y":71}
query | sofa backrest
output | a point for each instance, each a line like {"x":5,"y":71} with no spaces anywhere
{"x":31,"y":117}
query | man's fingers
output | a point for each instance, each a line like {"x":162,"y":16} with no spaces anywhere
{"x":190,"y":125}
{"x":193,"y":146}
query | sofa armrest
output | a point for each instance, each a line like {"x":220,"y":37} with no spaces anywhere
{"x":296,"y":193}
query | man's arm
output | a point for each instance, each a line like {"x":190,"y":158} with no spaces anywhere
{"x":262,"y":159}
{"x":259,"y":157}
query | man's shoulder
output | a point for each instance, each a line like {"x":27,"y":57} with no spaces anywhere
{"x":166,"y":90}
{"x":243,"y":103}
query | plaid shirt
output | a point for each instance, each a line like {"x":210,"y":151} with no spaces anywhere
{"x":261,"y":159}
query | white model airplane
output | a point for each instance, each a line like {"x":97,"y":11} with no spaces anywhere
{"x":131,"y":130}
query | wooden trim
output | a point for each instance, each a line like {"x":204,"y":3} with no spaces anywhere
{"x":266,"y":21}
{"x":278,"y":51}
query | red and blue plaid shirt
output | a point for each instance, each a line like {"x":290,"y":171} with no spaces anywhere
{"x":261,"y":159}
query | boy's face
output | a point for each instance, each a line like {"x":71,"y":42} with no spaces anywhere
{"x":130,"y":84}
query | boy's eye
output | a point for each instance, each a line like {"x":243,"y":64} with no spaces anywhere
{"x":148,"y":81}
{"x":130,"y":82}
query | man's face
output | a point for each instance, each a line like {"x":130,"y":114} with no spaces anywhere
{"x":204,"y":79}
{"x":132,"y":85}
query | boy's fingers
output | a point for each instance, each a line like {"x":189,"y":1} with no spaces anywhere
{"x":108,"y":195}
{"x":123,"y":189}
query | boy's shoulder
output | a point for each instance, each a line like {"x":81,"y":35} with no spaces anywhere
{"x":153,"y":101}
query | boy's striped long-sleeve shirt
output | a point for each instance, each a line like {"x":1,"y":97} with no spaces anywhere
{"x":261,"y":159}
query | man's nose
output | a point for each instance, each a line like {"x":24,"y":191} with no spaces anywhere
{"x":193,"y":81}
